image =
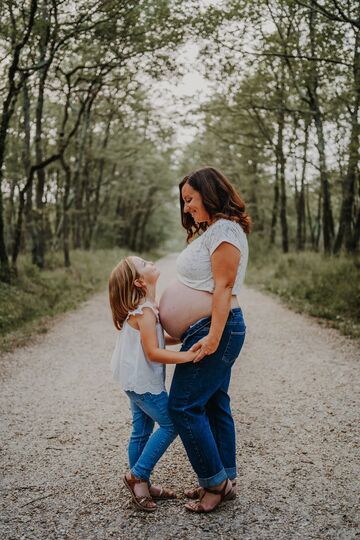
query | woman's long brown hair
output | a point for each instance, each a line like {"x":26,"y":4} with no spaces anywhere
{"x":219,"y":198}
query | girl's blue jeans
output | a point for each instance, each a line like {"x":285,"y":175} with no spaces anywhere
{"x":199,"y":403}
{"x":145,"y":446}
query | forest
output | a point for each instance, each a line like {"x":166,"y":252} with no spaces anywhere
{"x":86,"y":161}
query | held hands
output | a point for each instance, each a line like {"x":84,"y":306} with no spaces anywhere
{"x":189,"y":356}
{"x":205,"y":346}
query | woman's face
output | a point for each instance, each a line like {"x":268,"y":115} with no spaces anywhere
{"x":193,"y":204}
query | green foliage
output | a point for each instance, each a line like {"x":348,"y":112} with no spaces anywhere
{"x":325,"y":287}
{"x":36,"y":296}
{"x":273,"y":65}
{"x":79,"y":114}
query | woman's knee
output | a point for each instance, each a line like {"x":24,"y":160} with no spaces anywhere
{"x":182,"y":415}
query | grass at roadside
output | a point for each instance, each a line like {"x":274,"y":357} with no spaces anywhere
{"x":325,"y":287}
{"x":28,"y":305}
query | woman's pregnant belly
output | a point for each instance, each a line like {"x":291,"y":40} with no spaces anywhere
{"x":180,"y":306}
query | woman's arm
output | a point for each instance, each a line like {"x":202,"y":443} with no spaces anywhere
{"x":147,"y":327}
{"x":224,"y":263}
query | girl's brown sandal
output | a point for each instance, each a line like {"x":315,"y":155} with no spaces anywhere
{"x":145,"y":503}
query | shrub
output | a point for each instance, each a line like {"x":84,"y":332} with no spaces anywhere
{"x":326,"y":287}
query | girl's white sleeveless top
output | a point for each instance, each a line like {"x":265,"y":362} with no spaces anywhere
{"x":130,"y":366}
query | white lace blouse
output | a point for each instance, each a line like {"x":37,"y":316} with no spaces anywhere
{"x":129,"y":364}
{"x":194,"y":262}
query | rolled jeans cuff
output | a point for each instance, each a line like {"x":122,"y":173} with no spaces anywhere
{"x":140,"y":475}
{"x":215,"y":480}
{"x":231,"y":473}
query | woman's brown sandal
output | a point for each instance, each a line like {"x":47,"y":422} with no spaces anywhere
{"x":197,"y":493}
{"x":145,"y":503}
{"x":224,"y":496}
{"x":194,"y":493}
{"x":164,"y":494}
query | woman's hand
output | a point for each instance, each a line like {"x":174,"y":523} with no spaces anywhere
{"x":205,"y":346}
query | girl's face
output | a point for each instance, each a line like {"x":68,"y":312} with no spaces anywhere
{"x":147,"y":270}
{"x":193,"y":204}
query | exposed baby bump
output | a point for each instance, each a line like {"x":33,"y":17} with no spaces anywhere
{"x":181,"y":306}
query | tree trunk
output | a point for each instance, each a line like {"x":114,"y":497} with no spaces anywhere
{"x":58,"y":210}
{"x":300,"y":203}
{"x":308,"y":211}
{"x":86,"y":221}
{"x":96,"y":209}
{"x":7,"y":112}
{"x":135,"y":227}
{"x":357,"y":223}
{"x":252,"y":202}
{"x":78,"y":180}
{"x":24,"y":206}
{"x":312,"y":84}
{"x":357,"y":231}
{"x":281,"y":164}
{"x":141,"y":242}
{"x":275,"y":208}
{"x":345,"y":232}
{"x":5,"y":267}
{"x":317,"y":227}
{"x":77,"y":183}
{"x":66,"y":225}
{"x":39,"y":245}
{"x":327,"y":217}
{"x":27,"y":163}
{"x":10,"y":211}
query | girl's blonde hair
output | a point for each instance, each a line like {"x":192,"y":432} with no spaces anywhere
{"x":124,"y":295}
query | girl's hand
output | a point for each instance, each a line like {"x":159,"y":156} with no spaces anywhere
{"x":190,"y":356}
{"x":205,"y":346}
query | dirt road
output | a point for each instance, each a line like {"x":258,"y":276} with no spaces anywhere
{"x":65,"y":426}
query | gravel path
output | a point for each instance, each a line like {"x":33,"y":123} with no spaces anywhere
{"x":65,"y":426}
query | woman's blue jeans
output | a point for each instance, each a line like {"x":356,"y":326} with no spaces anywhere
{"x":145,"y":446}
{"x":199,"y":403}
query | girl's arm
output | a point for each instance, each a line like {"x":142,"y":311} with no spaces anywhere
{"x":147,"y":327}
{"x":170,"y":340}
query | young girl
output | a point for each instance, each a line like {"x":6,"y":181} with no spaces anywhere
{"x":138,"y":365}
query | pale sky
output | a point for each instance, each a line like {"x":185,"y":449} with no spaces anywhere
{"x":173,"y":99}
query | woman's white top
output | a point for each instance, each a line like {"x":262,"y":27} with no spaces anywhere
{"x":129,"y":364}
{"x":193,"y":265}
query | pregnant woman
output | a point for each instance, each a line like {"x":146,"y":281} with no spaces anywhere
{"x":201,"y":308}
